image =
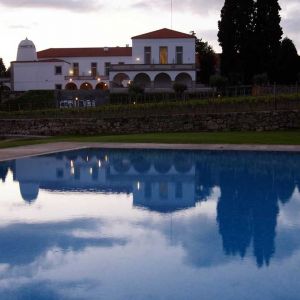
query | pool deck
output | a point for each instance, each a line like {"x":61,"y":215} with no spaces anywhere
{"x":34,"y":150}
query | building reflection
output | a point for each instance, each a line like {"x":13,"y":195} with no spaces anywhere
{"x":251,"y":185}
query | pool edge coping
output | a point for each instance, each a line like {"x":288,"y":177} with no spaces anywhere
{"x":13,"y":153}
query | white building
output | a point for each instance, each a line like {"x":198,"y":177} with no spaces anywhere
{"x":155,"y":60}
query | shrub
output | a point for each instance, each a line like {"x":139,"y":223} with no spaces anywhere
{"x":217,"y":81}
{"x":179,"y":88}
{"x":261,"y":79}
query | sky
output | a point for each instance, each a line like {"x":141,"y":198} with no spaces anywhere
{"x":99,"y":23}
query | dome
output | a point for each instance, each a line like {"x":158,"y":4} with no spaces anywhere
{"x":26,"y":51}
{"x":29,"y":191}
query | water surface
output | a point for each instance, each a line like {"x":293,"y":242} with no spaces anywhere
{"x":120,"y":224}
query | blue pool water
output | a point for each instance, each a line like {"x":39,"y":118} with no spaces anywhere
{"x":130,"y":224}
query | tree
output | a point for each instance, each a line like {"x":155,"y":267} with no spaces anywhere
{"x":268,"y":34}
{"x":287,"y":63}
{"x":8,"y":72}
{"x":2,"y":68}
{"x":207,"y":61}
{"x":227,"y":37}
{"x":236,"y":34}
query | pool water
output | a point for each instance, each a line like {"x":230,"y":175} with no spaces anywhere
{"x":133,"y":224}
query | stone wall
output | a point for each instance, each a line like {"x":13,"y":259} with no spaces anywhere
{"x":247,"y":121}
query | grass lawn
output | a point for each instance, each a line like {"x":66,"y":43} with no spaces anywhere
{"x":271,"y":138}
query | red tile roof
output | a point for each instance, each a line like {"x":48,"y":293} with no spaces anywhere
{"x":50,"y":60}
{"x":84,"y":52}
{"x":164,"y":33}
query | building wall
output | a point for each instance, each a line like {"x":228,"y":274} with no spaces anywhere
{"x":187,"y":44}
{"x":37,"y":75}
{"x":85,"y":63}
{"x":153,"y":74}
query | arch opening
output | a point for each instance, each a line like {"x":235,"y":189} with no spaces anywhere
{"x":86,"y":86}
{"x":184,"y":78}
{"x":121,"y":80}
{"x":71,"y":86}
{"x":143,"y":80}
{"x":162,"y":80}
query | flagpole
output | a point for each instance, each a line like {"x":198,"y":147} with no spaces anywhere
{"x":171,"y":14}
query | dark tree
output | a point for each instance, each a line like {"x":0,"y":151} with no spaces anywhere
{"x":2,"y":68}
{"x":288,"y":63}
{"x":8,"y":72}
{"x":207,"y":60}
{"x":227,"y":37}
{"x":236,"y":33}
{"x":268,"y":34}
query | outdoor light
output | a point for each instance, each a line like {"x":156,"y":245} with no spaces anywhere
{"x":76,"y":98}
{"x":71,"y":72}
{"x":90,"y":72}
{"x":99,"y":164}
{"x":91,"y":171}
{"x":138,"y":59}
{"x":99,"y":79}
{"x":138,"y":185}
{"x":70,"y":79}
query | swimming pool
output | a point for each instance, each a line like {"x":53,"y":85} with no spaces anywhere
{"x":148,"y":224}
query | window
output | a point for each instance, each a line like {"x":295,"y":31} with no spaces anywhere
{"x":148,"y":190}
{"x":179,"y":55}
{"x":76,"y":69}
{"x":59,"y":173}
{"x":163,"y":190}
{"x":178,"y":190}
{"x":163,"y":55}
{"x":58,"y":70}
{"x":121,"y":63}
{"x":94,"y":69}
{"x":147,"y":55}
{"x":107,"y":67}
{"x":58,"y":86}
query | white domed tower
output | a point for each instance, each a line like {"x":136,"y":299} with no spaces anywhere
{"x":26,"y":51}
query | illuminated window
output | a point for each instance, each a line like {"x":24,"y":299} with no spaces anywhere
{"x":163,"y":55}
{"x":76,"y":69}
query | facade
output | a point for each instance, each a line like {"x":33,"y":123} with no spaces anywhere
{"x":155,"y":61}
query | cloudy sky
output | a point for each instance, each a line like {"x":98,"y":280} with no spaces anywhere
{"x":96,"y":23}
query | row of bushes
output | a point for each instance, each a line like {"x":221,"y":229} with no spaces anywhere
{"x":31,"y":100}
{"x":164,"y":108}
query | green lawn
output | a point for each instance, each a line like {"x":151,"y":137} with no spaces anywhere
{"x":271,"y":138}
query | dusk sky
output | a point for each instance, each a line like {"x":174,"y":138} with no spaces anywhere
{"x":98,"y":23}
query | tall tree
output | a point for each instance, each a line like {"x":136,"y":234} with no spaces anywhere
{"x":287,"y":63}
{"x":207,"y":60}
{"x":2,"y":68}
{"x":227,"y":37}
{"x":236,"y":29}
{"x":268,"y":34}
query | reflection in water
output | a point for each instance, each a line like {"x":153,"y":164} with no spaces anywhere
{"x":252,"y":188}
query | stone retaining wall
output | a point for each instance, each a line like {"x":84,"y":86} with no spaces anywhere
{"x":249,"y":121}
